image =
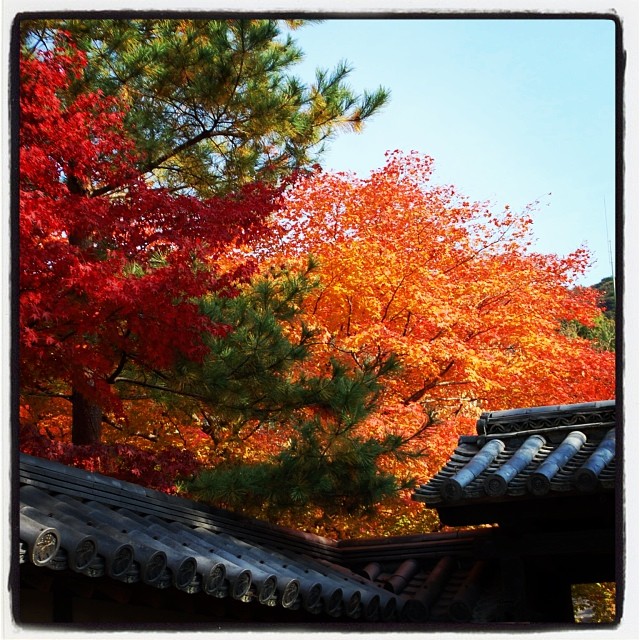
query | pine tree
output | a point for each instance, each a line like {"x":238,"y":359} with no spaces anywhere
{"x":326,"y":463}
{"x":213,"y":103}
{"x":252,"y":388}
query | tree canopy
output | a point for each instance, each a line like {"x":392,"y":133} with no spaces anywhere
{"x":288,"y":342}
{"x":147,"y":149}
{"x":108,"y":282}
{"x":452,"y":287}
{"x":212,"y":104}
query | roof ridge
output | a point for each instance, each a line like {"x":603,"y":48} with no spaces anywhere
{"x":536,"y":419}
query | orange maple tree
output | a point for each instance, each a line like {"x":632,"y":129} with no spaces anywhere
{"x":453,"y":288}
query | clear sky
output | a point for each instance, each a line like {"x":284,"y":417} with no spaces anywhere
{"x":512,"y":111}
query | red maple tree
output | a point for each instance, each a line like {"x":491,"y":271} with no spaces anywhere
{"x":111,"y":268}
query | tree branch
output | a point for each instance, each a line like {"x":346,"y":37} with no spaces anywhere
{"x":156,"y":387}
{"x":415,"y":397}
{"x":392,"y":298}
{"x":118,"y":370}
{"x":423,"y":427}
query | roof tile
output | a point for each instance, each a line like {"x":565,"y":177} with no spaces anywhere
{"x":74,"y":521}
{"x":530,"y":452}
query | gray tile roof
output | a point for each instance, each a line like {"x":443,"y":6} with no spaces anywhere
{"x":537,"y":452}
{"x":86,"y":524}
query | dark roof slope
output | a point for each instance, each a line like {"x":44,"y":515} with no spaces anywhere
{"x":85,"y":523}
{"x":523,"y":455}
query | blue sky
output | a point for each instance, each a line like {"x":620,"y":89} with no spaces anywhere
{"x":512,"y":111}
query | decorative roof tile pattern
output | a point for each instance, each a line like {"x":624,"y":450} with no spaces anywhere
{"x":84,"y":524}
{"x":535,"y":452}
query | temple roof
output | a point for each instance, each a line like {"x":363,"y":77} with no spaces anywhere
{"x":545,"y":475}
{"x":524,"y":455}
{"x":90,"y":525}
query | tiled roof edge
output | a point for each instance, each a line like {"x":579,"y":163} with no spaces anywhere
{"x":53,"y":474}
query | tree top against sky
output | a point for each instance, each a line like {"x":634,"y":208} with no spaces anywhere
{"x":212,"y":104}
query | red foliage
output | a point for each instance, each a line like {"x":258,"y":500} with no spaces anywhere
{"x":110,"y":267}
{"x":153,"y":469}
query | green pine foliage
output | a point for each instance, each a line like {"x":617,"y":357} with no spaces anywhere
{"x":251,"y":379}
{"x":247,"y":372}
{"x":326,"y":464}
{"x":603,"y":331}
{"x":344,"y":480}
{"x":214,"y":103}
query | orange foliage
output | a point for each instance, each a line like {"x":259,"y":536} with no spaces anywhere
{"x":152,"y":426}
{"x":450,"y":286}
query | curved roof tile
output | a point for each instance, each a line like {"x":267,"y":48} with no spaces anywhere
{"x":529,"y":453}
{"x":89,"y":525}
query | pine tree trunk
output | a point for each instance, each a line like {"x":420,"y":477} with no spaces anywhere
{"x":86,"y":425}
